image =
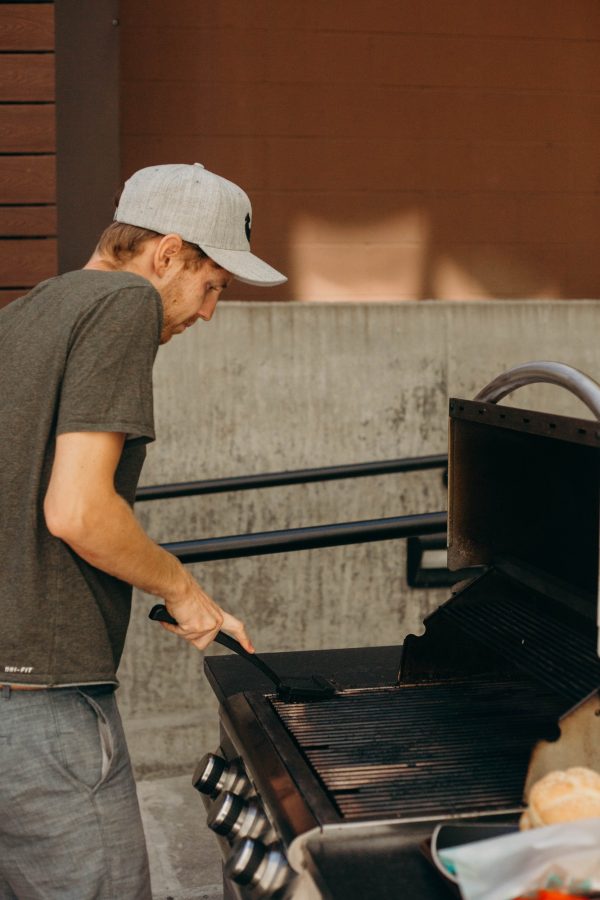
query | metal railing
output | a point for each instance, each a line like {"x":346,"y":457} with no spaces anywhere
{"x":294,"y":476}
{"x":308,"y":538}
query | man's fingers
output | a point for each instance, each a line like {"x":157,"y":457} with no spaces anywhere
{"x":238,"y":631}
{"x":202,"y":637}
{"x":194,"y":637}
{"x":202,"y":642}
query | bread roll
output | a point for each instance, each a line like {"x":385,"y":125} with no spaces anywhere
{"x":563,"y":797}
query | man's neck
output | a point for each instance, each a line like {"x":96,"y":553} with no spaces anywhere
{"x":104,"y":264}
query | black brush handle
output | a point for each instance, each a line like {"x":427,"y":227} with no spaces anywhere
{"x":160,"y":613}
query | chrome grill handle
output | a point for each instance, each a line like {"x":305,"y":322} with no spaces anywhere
{"x":582,"y":386}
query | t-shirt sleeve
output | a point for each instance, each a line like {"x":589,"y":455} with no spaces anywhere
{"x":107,"y":383}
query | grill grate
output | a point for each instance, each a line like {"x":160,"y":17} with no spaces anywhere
{"x":529,"y":631}
{"x":427,"y":750}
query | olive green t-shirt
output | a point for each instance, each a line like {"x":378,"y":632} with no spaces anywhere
{"x":76,"y":354}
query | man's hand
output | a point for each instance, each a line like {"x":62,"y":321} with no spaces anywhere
{"x":83,"y":508}
{"x":199,"y":619}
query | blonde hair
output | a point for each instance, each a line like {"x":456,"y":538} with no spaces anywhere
{"x":123,"y":242}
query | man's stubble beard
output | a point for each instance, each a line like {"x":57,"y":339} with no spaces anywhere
{"x":169,"y":298}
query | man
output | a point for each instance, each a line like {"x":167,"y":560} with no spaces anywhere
{"x":76,"y":357}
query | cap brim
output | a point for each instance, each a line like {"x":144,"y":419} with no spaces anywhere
{"x":245,"y":266}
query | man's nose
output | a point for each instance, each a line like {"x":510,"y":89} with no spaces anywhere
{"x":207,"y":309}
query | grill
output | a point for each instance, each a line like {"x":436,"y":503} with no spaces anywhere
{"x":500,"y":688}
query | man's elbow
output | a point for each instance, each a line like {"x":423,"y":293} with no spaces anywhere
{"x":69,"y":523}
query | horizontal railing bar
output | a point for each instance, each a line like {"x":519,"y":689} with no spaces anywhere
{"x":296,"y":476}
{"x":309,"y":538}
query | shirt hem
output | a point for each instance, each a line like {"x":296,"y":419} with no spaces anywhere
{"x":51,"y":685}
{"x":132,"y":430}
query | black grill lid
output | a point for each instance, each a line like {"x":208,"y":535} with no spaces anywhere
{"x":524,"y":486}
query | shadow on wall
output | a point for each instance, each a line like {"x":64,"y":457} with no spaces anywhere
{"x":341,"y":263}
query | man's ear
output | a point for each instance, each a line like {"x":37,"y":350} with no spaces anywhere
{"x":167,"y":248}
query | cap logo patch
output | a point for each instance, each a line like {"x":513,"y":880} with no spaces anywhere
{"x":248,"y":227}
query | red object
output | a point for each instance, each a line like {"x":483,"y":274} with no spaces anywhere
{"x":552,"y":895}
{"x":557,"y":895}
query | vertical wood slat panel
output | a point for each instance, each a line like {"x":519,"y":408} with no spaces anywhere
{"x":27,"y":221}
{"x":27,"y":128}
{"x":27,"y":179}
{"x":25,"y":262}
{"x":27,"y":77}
{"x":28,"y":244}
{"x":26,"y":26}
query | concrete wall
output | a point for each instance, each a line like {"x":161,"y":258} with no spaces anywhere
{"x":267,"y":387}
{"x":415,"y":149}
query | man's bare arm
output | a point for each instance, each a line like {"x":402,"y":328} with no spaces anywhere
{"x":83,"y":508}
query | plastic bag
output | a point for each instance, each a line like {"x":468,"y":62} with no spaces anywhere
{"x":502,"y":868}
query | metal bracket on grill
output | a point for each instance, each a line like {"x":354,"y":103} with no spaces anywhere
{"x":426,"y":563}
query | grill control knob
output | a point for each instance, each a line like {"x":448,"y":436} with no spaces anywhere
{"x":234,"y":817}
{"x":214,"y":774}
{"x":264,"y":869}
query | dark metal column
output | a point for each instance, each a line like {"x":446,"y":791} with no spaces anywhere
{"x":87,"y":119}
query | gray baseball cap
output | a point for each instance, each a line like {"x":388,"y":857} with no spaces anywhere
{"x":202,"y":208}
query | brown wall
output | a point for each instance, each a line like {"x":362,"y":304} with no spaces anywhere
{"x":393,"y":150}
{"x":27,"y":147}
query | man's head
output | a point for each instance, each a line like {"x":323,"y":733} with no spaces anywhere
{"x":188,"y":231}
{"x":206,"y":210}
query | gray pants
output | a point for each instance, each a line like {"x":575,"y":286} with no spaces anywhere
{"x":70,"y":826}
